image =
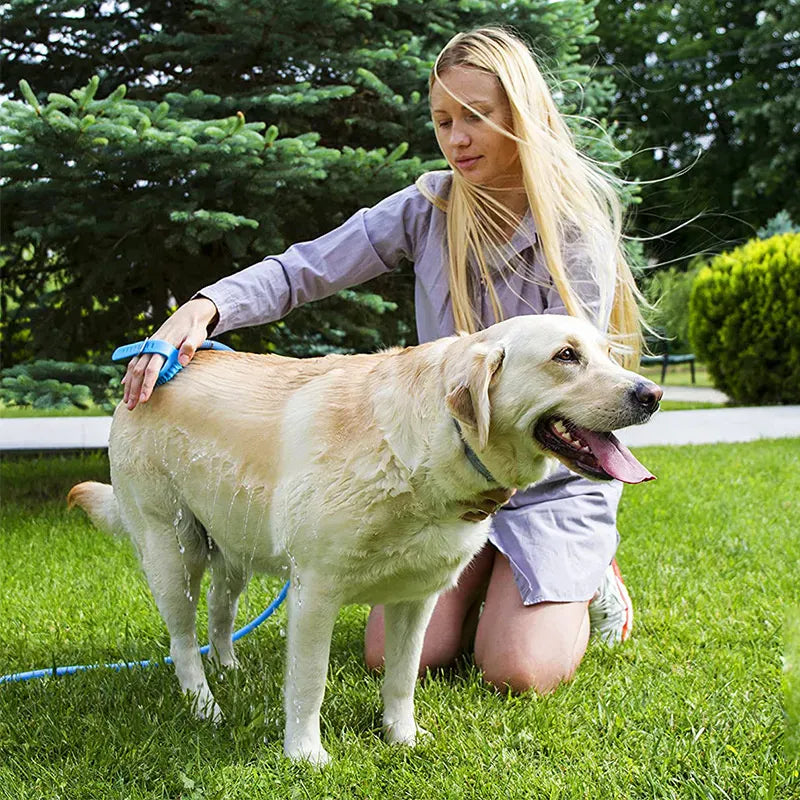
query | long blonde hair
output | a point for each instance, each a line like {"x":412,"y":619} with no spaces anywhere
{"x":574,"y":204}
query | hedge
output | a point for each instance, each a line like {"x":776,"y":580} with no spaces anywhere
{"x":744,"y":321}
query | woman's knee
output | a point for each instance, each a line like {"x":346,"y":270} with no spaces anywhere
{"x":528,"y":648}
{"x":539,"y":673}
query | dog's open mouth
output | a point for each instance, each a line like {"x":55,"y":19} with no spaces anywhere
{"x":595,"y":454}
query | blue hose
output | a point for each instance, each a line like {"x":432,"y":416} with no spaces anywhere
{"x":53,"y":672}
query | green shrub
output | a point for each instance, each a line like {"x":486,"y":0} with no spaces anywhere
{"x":61,"y":385}
{"x":744,"y":320}
{"x":668,"y":291}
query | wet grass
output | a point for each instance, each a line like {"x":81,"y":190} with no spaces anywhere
{"x":702,"y":702}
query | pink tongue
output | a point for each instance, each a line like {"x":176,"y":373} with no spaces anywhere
{"x":614,"y":457}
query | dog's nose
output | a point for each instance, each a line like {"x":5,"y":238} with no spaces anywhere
{"x":648,"y":395}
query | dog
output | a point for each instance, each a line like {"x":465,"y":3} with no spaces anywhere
{"x":357,"y":476}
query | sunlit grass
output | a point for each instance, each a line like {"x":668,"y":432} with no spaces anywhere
{"x":692,"y":706}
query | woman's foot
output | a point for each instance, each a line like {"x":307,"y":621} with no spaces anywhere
{"x":611,"y":609}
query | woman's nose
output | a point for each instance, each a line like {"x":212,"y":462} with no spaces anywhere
{"x":459,"y":135}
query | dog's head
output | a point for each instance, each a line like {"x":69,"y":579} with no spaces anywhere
{"x":546,"y":386}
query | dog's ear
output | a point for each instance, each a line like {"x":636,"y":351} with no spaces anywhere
{"x":469,"y":401}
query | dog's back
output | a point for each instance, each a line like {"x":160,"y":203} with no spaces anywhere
{"x":212,"y":444}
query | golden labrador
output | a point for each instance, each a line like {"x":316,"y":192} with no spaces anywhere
{"x":354,"y":475}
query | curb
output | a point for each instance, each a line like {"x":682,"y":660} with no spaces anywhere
{"x":701,"y":426}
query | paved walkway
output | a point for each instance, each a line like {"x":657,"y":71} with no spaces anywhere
{"x":694,"y":394}
{"x":702,"y":426}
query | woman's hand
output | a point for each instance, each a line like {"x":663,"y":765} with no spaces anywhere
{"x":186,"y":329}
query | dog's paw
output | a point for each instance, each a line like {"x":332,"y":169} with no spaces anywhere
{"x":212,"y":713}
{"x":223,"y":663}
{"x":205,"y":707}
{"x":314,"y":754}
{"x":404,"y":732}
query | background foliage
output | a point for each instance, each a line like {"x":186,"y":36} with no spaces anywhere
{"x":711,"y":87}
{"x":49,"y":384}
{"x":160,"y":146}
{"x":745,"y":320}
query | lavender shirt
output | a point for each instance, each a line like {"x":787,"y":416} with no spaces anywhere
{"x":559,"y":536}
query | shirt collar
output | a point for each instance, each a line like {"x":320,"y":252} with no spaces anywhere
{"x":525,"y":235}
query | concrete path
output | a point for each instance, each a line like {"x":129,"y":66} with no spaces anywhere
{"x":703,"y":426}
{"x":694,"y":394}
{"x":54,"y":433}
{"x":707,"y":426}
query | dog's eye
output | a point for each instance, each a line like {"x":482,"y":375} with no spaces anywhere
{"x":566,"y":354}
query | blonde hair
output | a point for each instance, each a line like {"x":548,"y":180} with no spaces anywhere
{"x":574,"y":204}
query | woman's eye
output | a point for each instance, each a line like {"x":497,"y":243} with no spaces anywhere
{"x":444,"y":123}
{"x":567,"y":354}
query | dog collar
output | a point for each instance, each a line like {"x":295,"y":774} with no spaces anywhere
{"x":472,"y":456}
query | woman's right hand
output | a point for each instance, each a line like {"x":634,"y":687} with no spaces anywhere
{"x":186,"y":329}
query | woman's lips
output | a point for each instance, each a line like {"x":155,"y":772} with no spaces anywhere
{"x":467,"y":163}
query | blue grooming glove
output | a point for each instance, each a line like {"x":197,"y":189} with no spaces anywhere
{"x":171,"y":366}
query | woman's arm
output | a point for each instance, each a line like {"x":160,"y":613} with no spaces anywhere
{"x":371,"y":242}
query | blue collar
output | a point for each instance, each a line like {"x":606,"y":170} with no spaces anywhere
{"x":472,"y":456}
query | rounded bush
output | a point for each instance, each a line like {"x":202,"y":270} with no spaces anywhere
{"x":744,"y":321}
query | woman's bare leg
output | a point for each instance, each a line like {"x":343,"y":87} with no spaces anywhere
{"x":453,"y":620}
{"x":528,"y":647}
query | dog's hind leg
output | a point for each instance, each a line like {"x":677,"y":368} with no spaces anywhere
{"x":405,"y":625}
{"x":312,"y":608}
{"x":227,"y":583}
{"x":173,"y":555}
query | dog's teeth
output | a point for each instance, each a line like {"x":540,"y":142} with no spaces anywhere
{"x":560,"y":427}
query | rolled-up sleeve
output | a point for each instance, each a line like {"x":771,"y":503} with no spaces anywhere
{"x":371,"y":242}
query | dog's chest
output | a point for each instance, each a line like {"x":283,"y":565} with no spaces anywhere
{"x":407,"y":562}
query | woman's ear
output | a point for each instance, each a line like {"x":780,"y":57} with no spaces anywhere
{"x":469,"y":401}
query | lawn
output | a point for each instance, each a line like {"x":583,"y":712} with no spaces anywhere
{"x":17,"y":412}
{"x":690,"y":707}
{"x":679,"y":375}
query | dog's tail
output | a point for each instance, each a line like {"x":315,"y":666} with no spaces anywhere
{"x":98,"y":501}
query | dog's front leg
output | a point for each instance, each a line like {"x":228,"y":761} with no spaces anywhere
{"x":313,"y":608}
{"x":405,"y":626}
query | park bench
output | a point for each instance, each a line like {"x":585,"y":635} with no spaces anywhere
{"x":658,"y":352}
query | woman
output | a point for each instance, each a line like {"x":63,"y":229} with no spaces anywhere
{"x":523,"y":224}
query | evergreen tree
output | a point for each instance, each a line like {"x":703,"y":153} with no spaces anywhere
{"x":711,"y":88}
{"x":159,"y":146}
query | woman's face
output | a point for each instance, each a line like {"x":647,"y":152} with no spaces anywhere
{"x":481,"y":154}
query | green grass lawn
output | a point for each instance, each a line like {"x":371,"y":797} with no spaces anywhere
{"x":18,"y":412}
{"x":691,"y":707}
{"x":679,"y":375}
